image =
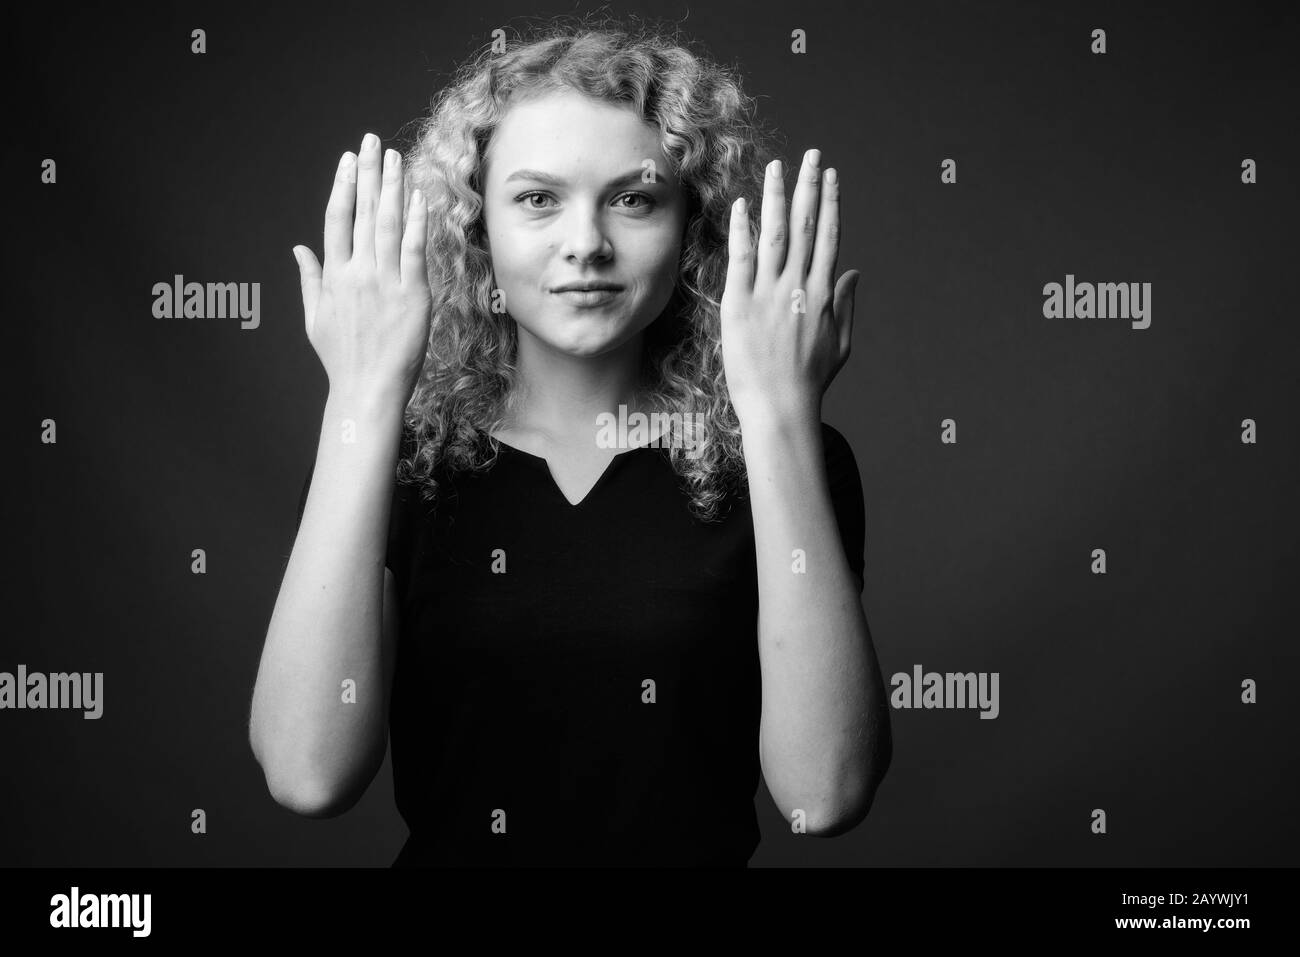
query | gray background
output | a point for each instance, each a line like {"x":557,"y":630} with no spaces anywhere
{"x":1119,"y":691}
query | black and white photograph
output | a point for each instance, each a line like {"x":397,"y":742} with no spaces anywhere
{"x":713,"y":437}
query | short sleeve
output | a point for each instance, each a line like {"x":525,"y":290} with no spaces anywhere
{"x":403,"y":523}
{"x":846,"y":499}
{"x":306,"y":487}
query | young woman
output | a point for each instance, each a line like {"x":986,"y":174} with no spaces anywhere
{"x":586,"y":641}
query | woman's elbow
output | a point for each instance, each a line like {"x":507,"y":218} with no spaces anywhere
{"x":303,"y":794}
{"x":308,"y":799}
{"x":857,"y":805}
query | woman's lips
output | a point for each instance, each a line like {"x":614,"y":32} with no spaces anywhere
{"x":588,"y":297}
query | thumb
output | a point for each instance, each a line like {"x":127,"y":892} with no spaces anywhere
{"x":845,"y":291}
{"x":309,"y":276}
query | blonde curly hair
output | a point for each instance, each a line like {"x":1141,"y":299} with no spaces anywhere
{"x":718,"y":151}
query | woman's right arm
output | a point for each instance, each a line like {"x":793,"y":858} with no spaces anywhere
{"x":318,"y":723}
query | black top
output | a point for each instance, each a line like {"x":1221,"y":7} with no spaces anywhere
{"x":585,"y":675}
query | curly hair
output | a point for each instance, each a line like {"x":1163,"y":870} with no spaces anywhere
{"x":718,"y":150}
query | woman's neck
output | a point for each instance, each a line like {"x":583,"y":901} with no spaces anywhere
{"x":559,"y":399}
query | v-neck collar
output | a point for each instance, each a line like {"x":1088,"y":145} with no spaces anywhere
{"x":538,"y":462}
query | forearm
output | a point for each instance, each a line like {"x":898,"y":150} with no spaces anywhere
{"x":823,"y":739}
{"x":326,"y":627}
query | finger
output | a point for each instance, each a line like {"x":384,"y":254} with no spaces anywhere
{"x":845,"y":291}
{"x":803,"y":215}
{"x":827,"y":253}
{"x":414,"y":264}
{"x":388,"y":227}
{"x":309,"y":275}
{"x":368,"y":183}
{"x":772,"y":224}
{"x":338,"y":214}
{"x":740,"y":255}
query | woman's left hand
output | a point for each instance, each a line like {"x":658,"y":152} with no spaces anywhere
{"x":786,"y":324}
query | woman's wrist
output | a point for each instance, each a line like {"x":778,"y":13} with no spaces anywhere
{"x":367,"y":403}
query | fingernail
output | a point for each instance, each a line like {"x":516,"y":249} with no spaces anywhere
{"x":370,"y":142}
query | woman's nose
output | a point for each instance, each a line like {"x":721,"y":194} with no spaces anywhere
{"x":585,"y":236}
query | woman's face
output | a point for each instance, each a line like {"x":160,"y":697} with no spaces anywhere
{"x":565,"y":202}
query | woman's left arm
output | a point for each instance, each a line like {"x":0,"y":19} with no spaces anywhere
{"x":824,"y":738}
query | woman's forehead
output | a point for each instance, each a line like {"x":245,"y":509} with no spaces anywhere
{"x":571,"y":138}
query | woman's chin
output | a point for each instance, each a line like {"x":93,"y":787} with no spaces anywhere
{"x":584,"y":338}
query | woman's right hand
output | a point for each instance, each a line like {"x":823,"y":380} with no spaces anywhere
{"x":367,"y":312}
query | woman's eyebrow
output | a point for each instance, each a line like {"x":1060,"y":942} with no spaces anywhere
{"x":634,"y":176}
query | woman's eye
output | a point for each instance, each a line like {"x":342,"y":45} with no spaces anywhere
{"x":645,"y":201}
